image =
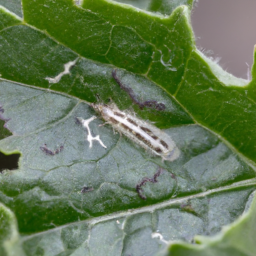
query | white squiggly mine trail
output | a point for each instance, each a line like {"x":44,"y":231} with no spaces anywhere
{"x":67,"y":67}
{"x":159,"y":236}
{"x":90,"y":138}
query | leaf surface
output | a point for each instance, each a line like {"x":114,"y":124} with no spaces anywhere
{"x":228,"y":242}
{"x":73,"y":199}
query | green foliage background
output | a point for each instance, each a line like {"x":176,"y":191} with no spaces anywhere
{"x":209,"y":114}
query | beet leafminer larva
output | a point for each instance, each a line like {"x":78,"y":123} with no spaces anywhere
{"x":146,"y":135}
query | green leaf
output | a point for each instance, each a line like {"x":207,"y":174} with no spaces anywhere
{"x":73,"y":199}
{"x":167,"y":7}
{"x":236,"y":239}
{"x":9,"y":238}
{"x":13,"y":6}
{"x":139,"y":232}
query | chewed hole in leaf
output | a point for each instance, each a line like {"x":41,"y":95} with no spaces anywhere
{"x":9,"y":162}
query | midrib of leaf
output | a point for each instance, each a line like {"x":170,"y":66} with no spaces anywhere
{"x":145,"y":209}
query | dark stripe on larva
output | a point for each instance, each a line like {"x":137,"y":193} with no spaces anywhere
{"x":126,"y":127}
{"x":149,"y":132}
{"x":141,"y":138}
{"x":119,"y":114}
{"x":113,"y":120}
{"x":131,"y":121}
{"x":164,"y":144}
{"x":158,"y":150}
{"x":145,"y":130}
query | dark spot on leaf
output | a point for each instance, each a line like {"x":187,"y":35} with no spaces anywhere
{"x":145,"y":180}
{"x":86,"y":189}
{"x":148,"y":103}
{"x":49,"y":152}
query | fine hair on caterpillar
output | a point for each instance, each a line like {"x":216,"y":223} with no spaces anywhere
{"x":141,"y":132}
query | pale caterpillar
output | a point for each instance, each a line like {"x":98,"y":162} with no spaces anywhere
{"x":146,"y":135}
